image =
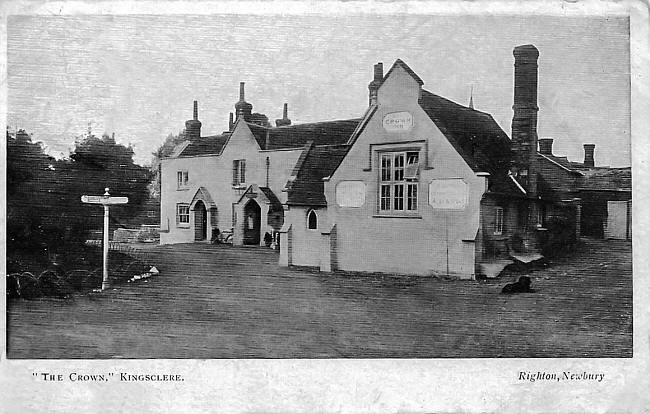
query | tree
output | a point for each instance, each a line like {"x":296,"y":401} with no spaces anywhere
{"x":165,"y":150}
{"x":44,"y":205}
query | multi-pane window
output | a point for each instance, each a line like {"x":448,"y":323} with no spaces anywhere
{"x":498,"y":220}
{"x":238,"y":172}
{"x":181,"y":179}
{"x":182,"y":214}
{"x":398,"y":187}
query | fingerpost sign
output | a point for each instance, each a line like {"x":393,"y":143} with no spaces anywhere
{"x":105,"y":200}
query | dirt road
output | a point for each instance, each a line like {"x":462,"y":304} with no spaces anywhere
{"x":224,"y":302}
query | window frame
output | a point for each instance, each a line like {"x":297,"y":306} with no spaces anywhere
{"x":182,"y":179}
{"x":179,"y":215}
{"x":499,"y":216}
{"x":398,"y":194}
{"x":238,"y":173}
{"x":309,"y":214}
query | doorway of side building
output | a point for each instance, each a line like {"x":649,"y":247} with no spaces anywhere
{"x":252,"y":219}
{"x":200,"y":222}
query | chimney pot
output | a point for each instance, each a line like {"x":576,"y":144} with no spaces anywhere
{"x":196,"y":110}
{"x":589,"y":154}
{"x":546,"y":146}
{"x":241,"y":91}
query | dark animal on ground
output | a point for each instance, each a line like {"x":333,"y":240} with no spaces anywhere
{"x":521,"y":286}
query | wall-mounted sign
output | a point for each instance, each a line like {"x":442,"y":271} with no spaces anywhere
{"x":448,"y":193}
{"x":398,"y":121}
{"x":350,"y":193}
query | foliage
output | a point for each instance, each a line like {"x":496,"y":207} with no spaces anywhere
{"x":44,"y":208}
{"x":165,"y":150}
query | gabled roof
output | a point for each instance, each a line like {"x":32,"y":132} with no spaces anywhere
{"x":400,"y":63}
{"x":474,"y":134}
{"x":319,"y":162}
{"x":267,"y":196}
{"x":211,"y":145}
{"x":296,"y":136}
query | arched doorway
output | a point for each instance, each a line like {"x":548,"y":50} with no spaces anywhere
{"x":200,"y":222}
{"x":252,"y":218}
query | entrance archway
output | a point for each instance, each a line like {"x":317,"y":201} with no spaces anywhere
{"x":200,"y":221}
{"x":252,"y":219}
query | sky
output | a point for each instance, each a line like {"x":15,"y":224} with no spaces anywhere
{"x":137,"y":75}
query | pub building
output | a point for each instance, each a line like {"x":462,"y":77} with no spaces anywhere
{"x":417,"y":185}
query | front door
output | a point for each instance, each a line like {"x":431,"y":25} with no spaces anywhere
{"x":252,"y":218}
{"x":200,"y":222}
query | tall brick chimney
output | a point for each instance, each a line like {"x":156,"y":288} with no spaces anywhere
{"x":285,"y":120}
{"x":589,"y":154}
{"x":243,"y":108}
{"x":373,"y":86}
{"x":193,"y":126}
{"x":524,"y":120}
{"x":545,"y":146}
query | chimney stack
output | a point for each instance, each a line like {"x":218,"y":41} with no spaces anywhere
{"x":373,"y":86}
{"x":589,"y":155}
{"x":193,"y":126}
{"x":524,"y":120}
{"x":243,"y":108}
{"x":285,"y":120}
{"x":546,"y":146}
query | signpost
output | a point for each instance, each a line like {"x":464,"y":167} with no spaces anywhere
{"x":105,"y":200}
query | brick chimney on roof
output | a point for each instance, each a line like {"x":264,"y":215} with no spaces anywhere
{"x":524,"y":120}
{"x":285,"y":120}
{"x":193,"y":126}
{"x":589,"y":155}
{"x":373,"y":86}
{"x":243,"y":108}
{"x":545,"y":146}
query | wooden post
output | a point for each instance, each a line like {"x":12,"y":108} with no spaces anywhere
{"x":105,"y":255}
{"x":105,"y":200}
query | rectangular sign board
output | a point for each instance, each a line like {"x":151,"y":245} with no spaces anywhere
{"x":104,"y":200}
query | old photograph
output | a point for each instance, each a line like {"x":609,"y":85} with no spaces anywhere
{"x":366,"y":186}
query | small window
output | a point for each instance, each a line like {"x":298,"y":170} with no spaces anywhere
{"x":498,"y":220}
{"x":312,"y":220}
{"x":181,"y":179}
{"x":182,"y":214}
{"x":238,"y":172}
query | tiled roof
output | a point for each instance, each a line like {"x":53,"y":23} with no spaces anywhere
{"x":607,"y":179}
{"x":276,"y":205}
{"x":563,"y":162}
{"x":505,"y":184}
{"x":320,"y":161}
{"x":474,"y":134}
{"x":211,"y":145}
{"x":296,"y":136}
